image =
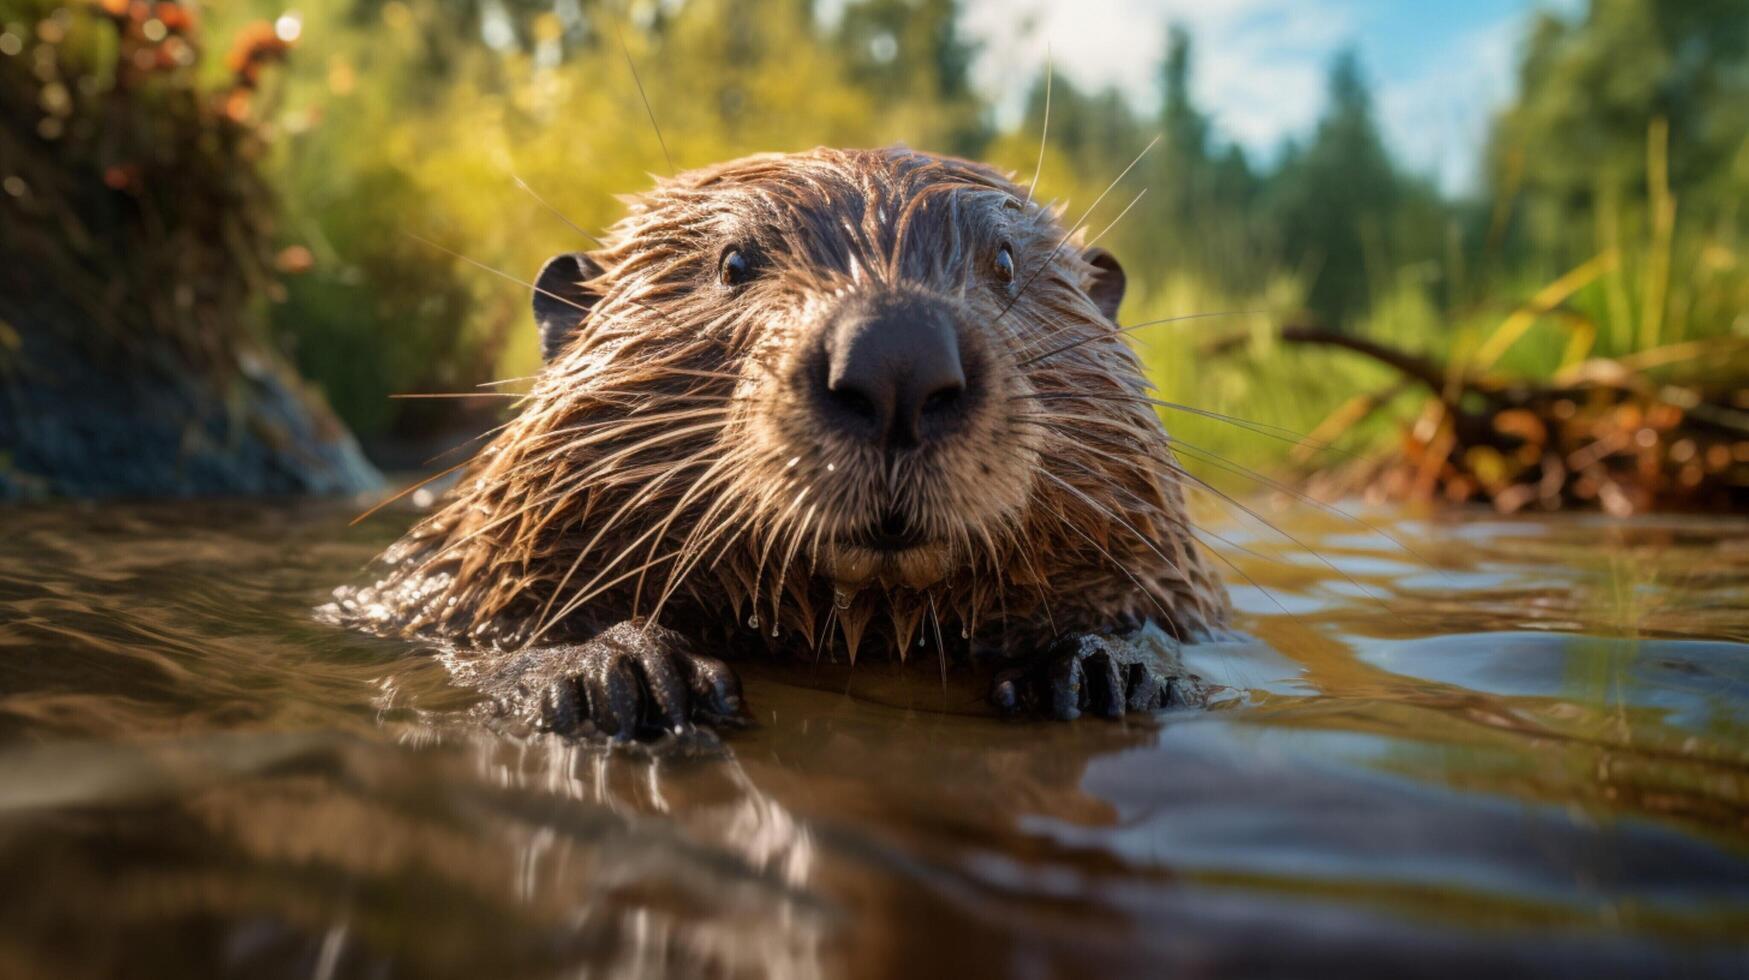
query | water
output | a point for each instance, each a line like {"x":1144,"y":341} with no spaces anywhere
{"x":1523,"y":748}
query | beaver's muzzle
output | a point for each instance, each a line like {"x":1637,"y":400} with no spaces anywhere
{"x":892,"y":371}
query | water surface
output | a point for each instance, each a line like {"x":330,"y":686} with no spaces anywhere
{"x":1519,"y":746}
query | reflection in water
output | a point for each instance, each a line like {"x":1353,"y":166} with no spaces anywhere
{"x":1525,"y":749}
{"x":315,"y":855}
{"x":689,"y":862}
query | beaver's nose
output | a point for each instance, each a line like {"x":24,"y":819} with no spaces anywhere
{"x":893,"y":371}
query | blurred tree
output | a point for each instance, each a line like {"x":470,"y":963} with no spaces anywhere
{"x":1185,"y":126}
{"x":1335,"y":200}
{"x":914,"y":50}
{"x":1200,"y":195}
{"x":1591,"y":88}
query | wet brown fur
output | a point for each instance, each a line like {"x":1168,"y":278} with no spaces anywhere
{"x":662,"y":466}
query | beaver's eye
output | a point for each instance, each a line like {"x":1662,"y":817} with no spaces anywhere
{"x":1005,"y":263}
{"x":735,"y":269}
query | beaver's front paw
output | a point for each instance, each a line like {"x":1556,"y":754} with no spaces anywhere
{"x":626,"y":681}
{"x":1103,"y":675}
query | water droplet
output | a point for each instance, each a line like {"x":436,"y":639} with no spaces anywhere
{"x":774,"y":629}
{"x":920,"y":640}
{"x":753,"y":621}
{"x":965,"y":632}
{"x":841,"y":598}
{"x":831,"y":467}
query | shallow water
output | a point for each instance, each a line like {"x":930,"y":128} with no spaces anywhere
{"x":1520,"y":746}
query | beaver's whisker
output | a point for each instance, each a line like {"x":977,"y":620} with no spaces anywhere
{"x":1143,"y":539}
{"x":508,"y":381}
{"x":469,"y":441}
{"x":555,"y":211}
{"x":1215,"y":459}
{"x":964,"y":534}
{"x":497,"y":272}
{"x":1231,"y":502}
{"x":795,"y":540}
{"x":969,"y":611}
{"x":582,"y":553}
{"x":1120,"y":216}
{"x":718,"y":472}
{"x":635,"y":406}
{"x":735,"y":526}
{"x":643,"y":95}
{"x":1120,"y":566}
{"x":825,"y":631}
{"x":1046,"y":264}
{"x":389,"y":500}
{"x":574,"y":477}
{"x":772,"y":531}
{"x":529,"y":285}
{"x":408,"y":395}
{"x":1134,"y":327}
{"x":687,"y":559}
{"x":1081,"y":495}
{"x":1029,"y":554}
{"x":577,"y":603}
{"x":1185,"y":524}
{"x":630,"y":420}
{"x":1229,"y":562}
{"x":940,"y":648}
{"x":1089,"y":245}
{"x":661,"y":438}
{"x":714,"y":476}
{"x":600,"y":465}
{"x":742,"y":505}
{"x":612,"y":522}
{"x":829,"y":518}
{"x":1266,"y":429}
{"x":698,"y":540}
{"x":1116,"y":425}
{"x":560,"y":490}
{"x":683,"y":372}
{"x":1177,"y":522}
{"x":1044,"y":130}
{"x":601,"y":451}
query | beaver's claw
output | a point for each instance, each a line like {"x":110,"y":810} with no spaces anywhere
{"x":1106,"y":676}
{"x":627,"y":681}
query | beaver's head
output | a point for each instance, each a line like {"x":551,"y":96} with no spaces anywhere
{"x":880,"y":379}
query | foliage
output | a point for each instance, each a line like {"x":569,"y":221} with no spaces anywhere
{"x":136,"y":252}
{"x":1344,"y":211}
{"x":133,"y":189}
{"x":1630,"y":140}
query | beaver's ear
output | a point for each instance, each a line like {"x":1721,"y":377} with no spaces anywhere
{"x":562,"y":299}
{"x":1107,"y":286}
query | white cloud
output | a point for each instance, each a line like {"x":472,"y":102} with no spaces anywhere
{"x":1258,"y":64}
{"x":1259,"y":67}
{"x":1438,"y":119}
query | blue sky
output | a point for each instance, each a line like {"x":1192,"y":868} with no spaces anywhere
{"x":1439,"y":68}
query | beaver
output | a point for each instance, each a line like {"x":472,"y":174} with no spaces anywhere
{"x":812,"y":403}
